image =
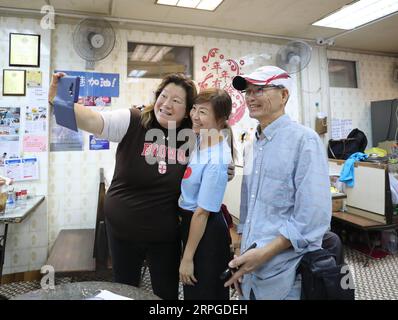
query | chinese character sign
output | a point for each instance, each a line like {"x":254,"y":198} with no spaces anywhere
{"x":96,"y":84}
{"x":219,"y":72}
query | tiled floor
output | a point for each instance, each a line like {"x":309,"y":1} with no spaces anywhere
{"x":377,"y":281}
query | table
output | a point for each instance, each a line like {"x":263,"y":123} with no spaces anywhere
{"x":85,"y":290}
{"x":363,"y":224}
{"x":16,"y":215}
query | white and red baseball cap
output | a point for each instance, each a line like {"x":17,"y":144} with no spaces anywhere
{"x":263,"y":76}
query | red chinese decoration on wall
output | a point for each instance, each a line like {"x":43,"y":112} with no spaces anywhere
{"x":219,"y":73}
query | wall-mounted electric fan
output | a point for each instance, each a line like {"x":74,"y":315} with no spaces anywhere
{"x":294,"y":56}
{"x":93,"y":40}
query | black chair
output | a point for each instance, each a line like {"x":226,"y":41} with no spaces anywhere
{"x":324,"y":272}
{"x":333,"y":244}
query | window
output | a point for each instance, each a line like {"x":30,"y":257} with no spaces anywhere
{"x":342,"y":73}
{"x":145,"y":60}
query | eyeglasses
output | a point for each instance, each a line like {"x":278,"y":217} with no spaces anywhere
{"x":258,"y":91}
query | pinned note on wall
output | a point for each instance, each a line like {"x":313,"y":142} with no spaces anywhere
{"x":341,"y":128}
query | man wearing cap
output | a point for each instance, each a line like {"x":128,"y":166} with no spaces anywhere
{"x":285,"y":200}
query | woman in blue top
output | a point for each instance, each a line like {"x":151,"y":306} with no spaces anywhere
{"x":205,"y":233}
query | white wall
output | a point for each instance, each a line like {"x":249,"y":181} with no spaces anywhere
{"x":27,"y":242}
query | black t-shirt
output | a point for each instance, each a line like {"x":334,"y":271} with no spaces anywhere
{"x":142,"y":201}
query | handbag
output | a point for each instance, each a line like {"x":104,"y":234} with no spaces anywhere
{"x":323,"y":279}
{"x":342,"y":148}
{"x":356,"y":141}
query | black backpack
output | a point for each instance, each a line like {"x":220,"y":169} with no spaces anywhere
{"x":356,"y":141}
{"x":322,"y":279}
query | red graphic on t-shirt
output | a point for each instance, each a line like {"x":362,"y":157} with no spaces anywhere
{"x":162,"y":167}
{"x":218,"y":71}
{"x":187,"y":173}
{"x":160,"y":151}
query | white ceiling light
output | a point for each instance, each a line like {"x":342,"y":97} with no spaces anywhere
{"x":138,"y":52}
{"x":208,"y":5}
{"x":137,"y":73}
{"x":162,"y":52}
{"x":150,"y":53}
{"x":188,"y":3}
{"x":167,"y":2}
{"x":358,"y":13}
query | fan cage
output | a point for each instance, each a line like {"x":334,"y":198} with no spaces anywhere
{"x":299,"y":48}
{"x":81,"y":39}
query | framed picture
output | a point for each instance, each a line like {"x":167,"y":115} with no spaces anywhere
{"x":24,"y":50}
{"x":147,"y":60}
{"x":33,"y":78}
{"x":14,"y":82}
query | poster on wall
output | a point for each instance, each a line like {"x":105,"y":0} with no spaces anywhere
{"x":95,"y":101}
{"x":35,"y":120}
{"x":24,"y":50}
{"x":10,"y":120}
{"x":9,"y":148}
{"x":34,"y":143}
{"x":13,"y":169}
{"x":63,"y":139}
{"x":37,"y":96}
{"x":30,"y":167}
{"x":98,"y":144}
{"x":93,"y":84}
{"x":22,"y":169}
{"x":341,"y":128}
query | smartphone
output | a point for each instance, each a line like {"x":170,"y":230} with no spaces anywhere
{"x":67,"y":96}
{"x":227,"y":273}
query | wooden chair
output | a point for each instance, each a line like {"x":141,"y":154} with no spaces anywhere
{"x":79,"y":251}
{"x":101,"y":250}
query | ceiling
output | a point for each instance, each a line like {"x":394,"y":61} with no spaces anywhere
{"x":282,"y":19}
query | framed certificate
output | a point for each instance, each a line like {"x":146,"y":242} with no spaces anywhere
{"x":33,"y":78}
{"x":24,"y":50}
{"x":14,"y":82}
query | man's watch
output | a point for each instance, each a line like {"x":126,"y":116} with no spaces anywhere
{"x":51,"y":103}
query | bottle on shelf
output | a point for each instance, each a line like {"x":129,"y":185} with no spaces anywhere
{"x":11,"y":198}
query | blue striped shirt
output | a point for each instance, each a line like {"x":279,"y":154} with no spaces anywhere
{"x":285,"y":191}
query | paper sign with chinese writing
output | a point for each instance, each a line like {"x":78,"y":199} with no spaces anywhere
{"x":34,"y":143}
{"x":98,"y":144}
{"x":22,"y":169}
{"x":96,"y":84}
{"x":30,"y":169}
